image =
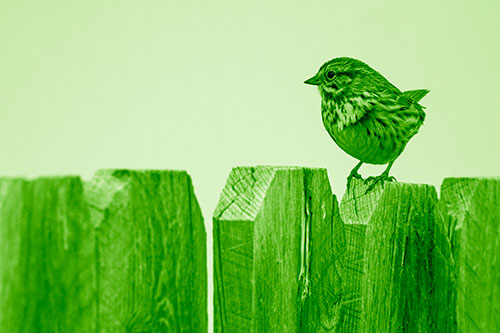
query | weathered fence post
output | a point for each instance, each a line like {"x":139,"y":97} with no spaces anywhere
{"x":387,"y":275}
{"x":472,"y":215}
{"x":124,"y":252}
{"x":275,"y":242}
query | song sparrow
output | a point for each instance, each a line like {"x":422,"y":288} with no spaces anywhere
{"x":367,"y":116}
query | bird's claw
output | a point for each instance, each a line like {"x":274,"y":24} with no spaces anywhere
{"x":353,"y":174}
{"x":376,"y":179}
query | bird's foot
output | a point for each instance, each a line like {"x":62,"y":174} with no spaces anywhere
{"x":376,"y":179}
{"x":353,"y":174}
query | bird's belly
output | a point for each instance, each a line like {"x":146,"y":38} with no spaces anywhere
{"x":365,"y":145}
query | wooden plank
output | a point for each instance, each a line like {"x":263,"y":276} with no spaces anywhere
{"x":473,"y":216}
{"x":276,"y":234}
{"x":387,"y":271}
{"x":46,"y":256}
{"x":150,"y":252}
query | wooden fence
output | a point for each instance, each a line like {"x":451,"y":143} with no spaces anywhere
{"x":126,"y":252}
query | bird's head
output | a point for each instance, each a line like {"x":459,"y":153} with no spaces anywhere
{"x":341,"y":75}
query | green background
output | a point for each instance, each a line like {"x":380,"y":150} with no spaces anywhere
{"x":208,"y":85}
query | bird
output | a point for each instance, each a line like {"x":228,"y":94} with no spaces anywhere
{"x":366,"y":115}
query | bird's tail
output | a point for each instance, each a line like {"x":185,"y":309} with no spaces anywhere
{"x":414,"y":95}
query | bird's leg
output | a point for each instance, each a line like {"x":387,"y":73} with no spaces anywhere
{"x":383,"y":177}
{"x":354,"y":174}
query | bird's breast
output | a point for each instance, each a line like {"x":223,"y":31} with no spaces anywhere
{"x":364,"y":143}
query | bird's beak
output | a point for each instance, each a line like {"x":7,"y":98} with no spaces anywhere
{"x":313,"y":81}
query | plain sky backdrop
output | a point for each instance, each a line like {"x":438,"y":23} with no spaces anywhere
{"x":207,"y":85}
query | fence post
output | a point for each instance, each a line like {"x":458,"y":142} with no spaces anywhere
{"x":388,"y":282}
{"x":472,"y":214}
{"x":46,"y":257}
{"x":276,"y":235}
{"x":150,"y":252}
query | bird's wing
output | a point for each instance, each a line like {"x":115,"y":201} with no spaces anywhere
{"x":396,"y":115}
{"x":404,"y":105}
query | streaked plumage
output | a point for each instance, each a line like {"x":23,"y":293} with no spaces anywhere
{"x":367,"y":116}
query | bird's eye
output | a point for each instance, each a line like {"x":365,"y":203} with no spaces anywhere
{"x":330,"y":75}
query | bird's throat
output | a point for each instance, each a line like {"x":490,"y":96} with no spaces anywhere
{"x":339,"y":112}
